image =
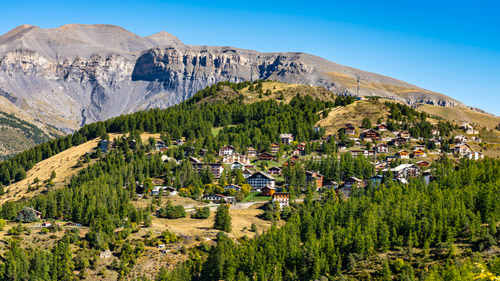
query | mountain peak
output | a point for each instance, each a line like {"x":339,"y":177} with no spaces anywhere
{"x":81,"y":41}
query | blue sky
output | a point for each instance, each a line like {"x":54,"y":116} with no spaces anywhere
{"x":452,"y":47}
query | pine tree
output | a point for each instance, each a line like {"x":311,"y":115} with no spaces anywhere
{"x":222,"y":218}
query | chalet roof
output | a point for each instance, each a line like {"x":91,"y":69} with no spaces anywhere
{"x":227,"y":146}
{"x":275,"y":144}
{"x":313,"y":173}
{"x":354,"y":178}
{"x":281,"y":193}
{"x":274,"y":167}
{"x":286,"y":136}
{"x":402,"y":167}
{"x":263,"y":174}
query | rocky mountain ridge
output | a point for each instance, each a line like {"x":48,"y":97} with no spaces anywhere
{"x":77,"y":74}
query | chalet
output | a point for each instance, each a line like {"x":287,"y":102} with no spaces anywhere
{"x":342,"y":146}
{"x":275,"y":147}
{"x":356,"y":153}
{"x":237,"y":165}
{"x":423,"y":164}
{"x":405,"y":135}
{"x":105,"y":254}
{"x":251,"y":152}
{"x":330,"y":184}
{"x":349,"y":129}
{"x":314,"y":179}
{"x":167,"y":190}
{"x":233,"y":187}
{"x":275,"y":171}
{"x":381,"y":127}
{"x":399,"y":141}
{"x":219,"y":198}
{"x":403,"y":154}
{"x":419,"y":146}
{"x":72,"y":224}
{"x":235,"y":157}
{"x":436,"y":132}
{"x":215,"y":168}
{"x":381,"y":148}
{"x":226,"y":150}
{"x":178,"y":142}
{"x":370,"y":135}
{"x":281,"y":198}
{"x":460,"y":139}
{"x":436,"y":142}
{"x":474,"y":155}
{"x":159,"y":145}
{"x":163,"y":149}
{"x":419,"y":153}
{"x":260,"y":180}
{"x":301,"y":146}
{"x":267,"y":191}
{"x":353,"y":181}
{"x":286,"y":138}
{"x":298,"y":152}
{"x":193,"y":160}
{"x":104,"y":146}
{"x":466,"y":126}
{"x":461,"y":149}
{"x":264,"y":156}
{"x":246,"y":173}
{"x":405,"y":171}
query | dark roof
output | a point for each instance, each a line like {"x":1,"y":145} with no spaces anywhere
{"x":264,"y":174}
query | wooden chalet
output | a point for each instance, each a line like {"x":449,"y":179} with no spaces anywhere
{"x":419,"y":153}
{"x":226,"y":150}
{"x":286,"y":138}
{"x":275,"y":170}
{"x":370,"y":134}
{"x":251,"y":152}
{"x":381,"y":127}
{"x":349,"y":129}
{"x":314,"y":179}
{"x":275,"y":147}
{"x":423,"y":164}
{"x":354,"y":181}
{"x":267,"y":191}
{"x":403,"y":154}
{"x":264,"y":156}
{"x":399,"y":141}
{"x":281,"y":198}
{"x":381,"y":148}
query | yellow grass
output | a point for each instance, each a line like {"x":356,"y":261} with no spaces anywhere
{"x":461,"y":115}
{"x":354,"y":113}
{"x":62,"y":163}
{"x":289,"y":91}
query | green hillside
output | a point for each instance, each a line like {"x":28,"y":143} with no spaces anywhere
{"x":444,"y":230}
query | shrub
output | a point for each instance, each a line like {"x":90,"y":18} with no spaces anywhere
{"x":201,"y":213}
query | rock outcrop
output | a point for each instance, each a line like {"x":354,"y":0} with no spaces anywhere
{"x":77,"y":74}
